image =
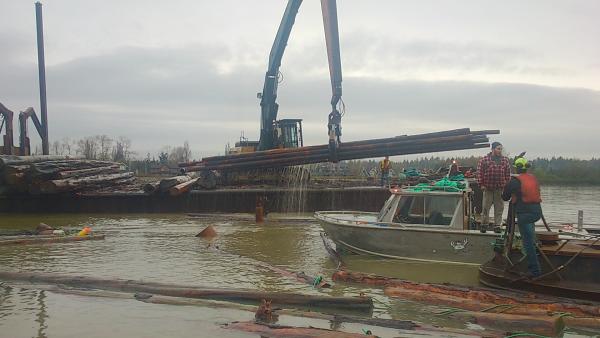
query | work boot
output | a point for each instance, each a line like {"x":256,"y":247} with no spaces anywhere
{"x":532,"y":275}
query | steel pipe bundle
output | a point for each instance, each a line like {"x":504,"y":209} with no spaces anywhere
{"x":458,"y":139}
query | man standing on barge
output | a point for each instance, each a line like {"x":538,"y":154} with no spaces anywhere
{"x":523,"y":191}
{"x":493,"y":172}
{"x":384,"y":167}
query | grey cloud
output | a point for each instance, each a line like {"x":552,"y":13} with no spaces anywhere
{"x":160,"y":96}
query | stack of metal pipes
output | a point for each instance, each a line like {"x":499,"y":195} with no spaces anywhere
{"x":458,"y":139}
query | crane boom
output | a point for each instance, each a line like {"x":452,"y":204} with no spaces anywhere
{"x":332,"y":39}
{"x":283,"y":133}
{"x":268,"y":97}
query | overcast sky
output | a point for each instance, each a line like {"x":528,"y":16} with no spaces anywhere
{"x":169,"y":71}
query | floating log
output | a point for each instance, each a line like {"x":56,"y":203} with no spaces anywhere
{"x":489,"y":296}
{"x":182,"y":188}
{"x":361,"y":304}
{"x":168,"y":183}
{"x":405,"y":326}
{"x":55,"y":186}
{"x":25,"y":240}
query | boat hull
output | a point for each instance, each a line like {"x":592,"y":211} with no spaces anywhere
{"x":578,"y":279}
{"x":431,"y":245}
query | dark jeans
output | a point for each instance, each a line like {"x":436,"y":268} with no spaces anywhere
{"x":527,"y":229}
{"x":385,"y":179}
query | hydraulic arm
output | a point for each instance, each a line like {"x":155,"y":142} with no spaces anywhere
{"x":332,"y":39}
{"x":268,"y":97}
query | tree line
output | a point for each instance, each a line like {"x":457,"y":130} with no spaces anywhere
{"x":117,"y":149}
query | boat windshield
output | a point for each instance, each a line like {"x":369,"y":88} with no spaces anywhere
{"x":426,"y":209}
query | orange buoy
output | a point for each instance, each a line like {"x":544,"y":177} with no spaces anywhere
{"x":208,"y":232}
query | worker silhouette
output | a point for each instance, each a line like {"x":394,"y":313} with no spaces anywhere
{"x":335,"y":124}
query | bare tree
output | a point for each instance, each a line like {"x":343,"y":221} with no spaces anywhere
{"x":66,"y":146}
{"x":56,"y":149}
{"x":105,"y":145}
{"x":180,"y":154}
{"x":177,"y":155}
{"x":122,"y":150}
{"x":88,"y":147}
{"x":187,"y":153}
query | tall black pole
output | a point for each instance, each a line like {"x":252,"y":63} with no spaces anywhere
{"x":42,"y":72}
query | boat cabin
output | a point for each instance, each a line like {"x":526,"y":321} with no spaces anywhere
{"x":433,"y":208}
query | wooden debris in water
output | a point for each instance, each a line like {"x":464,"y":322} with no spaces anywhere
{"x":541,"y":324}
{"x":405,"y":326}
{"x":290,"y":331}
{"x":480,"y":294}
{"x":24,"y":240}
{"x":358,"y":304}
{"x":333,"y":254}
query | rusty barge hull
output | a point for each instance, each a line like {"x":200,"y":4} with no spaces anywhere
{"x":225,"y":200}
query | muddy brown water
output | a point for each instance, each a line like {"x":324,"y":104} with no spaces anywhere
{"x":163,"y":248}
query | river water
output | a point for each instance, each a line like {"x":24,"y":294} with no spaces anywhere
{"x":163,"y":248}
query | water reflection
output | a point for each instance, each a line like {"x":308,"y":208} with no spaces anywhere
{"x":42,"y":315}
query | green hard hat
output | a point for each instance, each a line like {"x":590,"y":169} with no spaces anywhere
{"x":520,"y":162}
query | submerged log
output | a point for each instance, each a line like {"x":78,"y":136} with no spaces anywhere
{"x":47,"y":239}
{"x":459,"y":303}
{"x":182,"y":188}
{"x":316,"y":282}
{"x":333,"y":253}
{"x":489,"y":296}
{"x":290,"y":331}
{"x":362,"y":304}
{"x":541,"y":325}
{"x":589,"y":323}
{"x":56,"y":186}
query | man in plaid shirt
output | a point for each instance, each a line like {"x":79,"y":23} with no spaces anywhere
{"x":493,"y":172}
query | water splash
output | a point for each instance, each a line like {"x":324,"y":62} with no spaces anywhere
{"x":295,"y":181}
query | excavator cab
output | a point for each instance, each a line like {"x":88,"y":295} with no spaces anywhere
{"x":288,"y":133}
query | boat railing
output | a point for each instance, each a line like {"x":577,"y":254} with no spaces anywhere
{"x":323,"y":215}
